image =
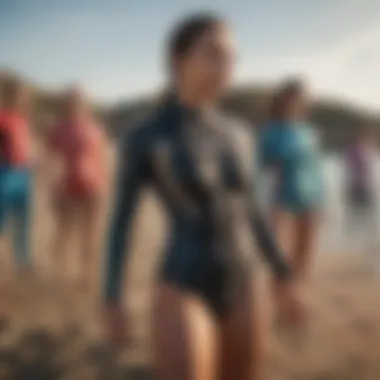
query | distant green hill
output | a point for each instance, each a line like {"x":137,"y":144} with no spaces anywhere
{"x":334,"y":119}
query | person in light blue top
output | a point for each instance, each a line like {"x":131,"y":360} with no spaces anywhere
{"x":289,"y":147}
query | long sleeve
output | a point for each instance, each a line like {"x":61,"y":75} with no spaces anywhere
{"x":128,"y":181}
{"x":265,"y":238}
{"x":268,"y":246}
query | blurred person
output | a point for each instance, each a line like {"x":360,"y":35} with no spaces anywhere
{"x":360,"y":185}
{"x":77,"y":175}
{"x":205,"y":312}
{"x":15,"y":170}
{"x":289,"y":148}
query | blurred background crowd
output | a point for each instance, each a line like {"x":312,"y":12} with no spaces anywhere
{"x":61,"y":59}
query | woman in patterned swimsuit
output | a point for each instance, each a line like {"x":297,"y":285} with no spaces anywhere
{"x":204,"y":314}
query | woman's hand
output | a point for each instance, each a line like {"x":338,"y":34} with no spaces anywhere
{"x":115,"y":326}
{"x":289,"y":305}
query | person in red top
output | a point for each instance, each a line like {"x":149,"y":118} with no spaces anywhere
{"x":15,"y":167}
{"x":78,"y":185}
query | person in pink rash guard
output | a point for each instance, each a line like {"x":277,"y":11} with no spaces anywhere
{"x":77,"y":143}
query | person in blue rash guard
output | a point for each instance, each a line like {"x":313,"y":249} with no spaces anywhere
{"x":289,"y":147}
{"x":190,"y":154}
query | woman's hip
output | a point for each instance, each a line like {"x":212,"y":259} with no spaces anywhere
{"x":217,"y":281}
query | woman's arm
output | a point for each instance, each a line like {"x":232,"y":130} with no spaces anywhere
{"x":4,"y":137}
{"x":267,"y":243}
{"x":127,"y":184}
{"x":104,"y":152}
{"x":269,"y":248}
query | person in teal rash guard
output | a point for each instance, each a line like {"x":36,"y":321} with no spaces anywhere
{"x":289,"y":147}
{"x":186,"y":152}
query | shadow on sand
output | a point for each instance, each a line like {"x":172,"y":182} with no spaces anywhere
{"x":39,"y":355}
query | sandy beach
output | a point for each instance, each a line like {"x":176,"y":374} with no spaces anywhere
{"x":49,"y":331}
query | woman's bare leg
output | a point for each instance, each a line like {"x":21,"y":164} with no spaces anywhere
{"x":89,"y":229}
{"x":61,"y":238}
{"x":306,"y":228}
{"x":281,"y":224}
{"x":242,"y":339}
{"x":184,"y":337}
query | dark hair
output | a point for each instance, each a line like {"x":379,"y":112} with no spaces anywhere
{"x":187,"y":33}
{"x":287,"y":90}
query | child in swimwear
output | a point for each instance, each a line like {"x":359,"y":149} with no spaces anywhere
{"x":360,"y":187}
{"x":77,"y":144}
{"x":289,"y":148}
{"x":15,"y":169}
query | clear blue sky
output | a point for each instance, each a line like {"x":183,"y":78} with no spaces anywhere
{"x":115,"y":47}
